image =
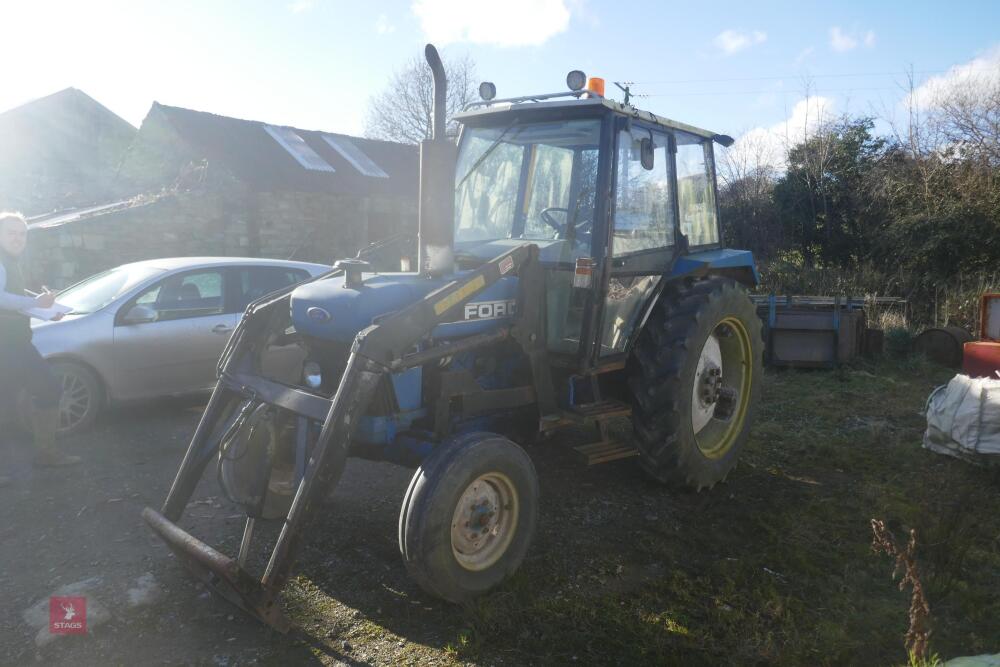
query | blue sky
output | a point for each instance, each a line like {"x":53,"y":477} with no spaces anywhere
{"x":727,"y":66}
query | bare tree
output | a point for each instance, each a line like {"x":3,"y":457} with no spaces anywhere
{"x":968,"y":115}
{"x":402,"y":111}
{"x":747,"y":173}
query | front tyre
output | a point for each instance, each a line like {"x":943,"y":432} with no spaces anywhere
{"x":694,"y":380}
{"x":468,"y":516}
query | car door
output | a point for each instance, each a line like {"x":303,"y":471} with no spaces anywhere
{"x":284,"y":362}
{"x":178,"y":350}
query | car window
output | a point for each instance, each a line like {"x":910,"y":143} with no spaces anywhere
{"x":257,"y":281}
{"x":185,"y":295}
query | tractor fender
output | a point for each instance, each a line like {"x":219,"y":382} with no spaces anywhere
{"x":736,"y":264}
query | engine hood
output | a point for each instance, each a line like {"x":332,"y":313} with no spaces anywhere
{"x":327,"y":309}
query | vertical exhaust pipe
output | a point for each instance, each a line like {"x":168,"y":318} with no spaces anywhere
{"x":436,"y":215}
{"x":440,"y":107}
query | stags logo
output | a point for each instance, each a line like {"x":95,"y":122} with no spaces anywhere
{"x":68,"y":615}
{"x":490,"y":310}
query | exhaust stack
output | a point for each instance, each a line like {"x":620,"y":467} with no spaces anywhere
{"x":436,"y":216}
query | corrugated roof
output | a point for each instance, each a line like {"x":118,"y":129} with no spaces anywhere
{"x":247,"y":149}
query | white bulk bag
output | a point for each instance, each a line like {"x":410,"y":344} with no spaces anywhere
{"x":963,"y":419}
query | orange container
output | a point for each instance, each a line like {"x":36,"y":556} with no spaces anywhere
{"x":981,"y":359}
{"x":989,"y":317}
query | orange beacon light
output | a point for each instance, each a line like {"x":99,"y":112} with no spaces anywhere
{"x":596,"y":85}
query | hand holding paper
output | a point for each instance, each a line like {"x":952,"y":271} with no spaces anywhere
{"x":56,"y":310}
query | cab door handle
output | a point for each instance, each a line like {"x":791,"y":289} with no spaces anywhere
{"x":221,"y":329}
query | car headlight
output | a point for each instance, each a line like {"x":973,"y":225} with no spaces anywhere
{"x":312,"y":375}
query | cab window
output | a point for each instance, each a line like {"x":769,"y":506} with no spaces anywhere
{"x":532,"y":181}
{"x":644,"y":215}
{"x":695,"y":192}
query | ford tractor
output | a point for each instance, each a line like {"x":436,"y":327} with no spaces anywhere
{"x":569,"y":273}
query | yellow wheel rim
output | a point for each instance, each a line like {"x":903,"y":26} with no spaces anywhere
{"x":728,"y":348}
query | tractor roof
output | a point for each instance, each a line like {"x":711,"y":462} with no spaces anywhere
{"x":479,"y":110}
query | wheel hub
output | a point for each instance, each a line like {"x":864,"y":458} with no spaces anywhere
{"x":74,"y":402}
{"x":484,"y":521}
{"x":707,"y":383}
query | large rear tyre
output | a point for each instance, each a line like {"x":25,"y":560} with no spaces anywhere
{"x":468,"y":516}
{"x":694,"y":380}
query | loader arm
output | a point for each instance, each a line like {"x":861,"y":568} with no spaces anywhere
{"x":376,"y":351}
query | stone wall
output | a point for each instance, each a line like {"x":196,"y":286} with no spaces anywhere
{"x":305,"y":227}
{"x":325,"y":228}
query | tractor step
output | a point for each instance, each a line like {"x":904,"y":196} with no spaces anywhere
{"x":600,"y":410}
{"x":585,"y":414}
{"x":603,"y":452}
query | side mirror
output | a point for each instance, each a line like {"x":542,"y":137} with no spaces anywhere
{"x":139,"y":315}
{"x":646,"y":152}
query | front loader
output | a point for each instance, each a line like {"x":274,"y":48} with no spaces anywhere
{"x":570,"y":273}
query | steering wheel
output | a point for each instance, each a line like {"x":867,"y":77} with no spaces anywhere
{"x":546,"y":215}
{"x":581,"y":229}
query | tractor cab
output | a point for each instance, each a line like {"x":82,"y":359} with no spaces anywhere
{"x":611,"y":195}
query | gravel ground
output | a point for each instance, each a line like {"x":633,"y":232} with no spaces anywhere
{"x":353,"y":604}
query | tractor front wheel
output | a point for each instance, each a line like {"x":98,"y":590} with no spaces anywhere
{"x":468,"y":516}
{"x":694,"y":379}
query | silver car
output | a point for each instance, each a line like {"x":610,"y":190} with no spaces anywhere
{"x":153,"y":328}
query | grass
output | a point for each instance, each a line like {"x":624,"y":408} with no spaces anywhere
{"x":773,"y":567}
{"x":784,"y":575}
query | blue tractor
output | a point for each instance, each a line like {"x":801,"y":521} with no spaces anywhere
{"x":570,"y":272}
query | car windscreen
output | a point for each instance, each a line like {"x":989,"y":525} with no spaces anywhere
{"x":99,"y":290}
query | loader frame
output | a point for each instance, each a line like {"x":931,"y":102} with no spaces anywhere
{"x":379,"y":350}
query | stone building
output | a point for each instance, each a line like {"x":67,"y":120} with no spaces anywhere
{"x":195,"y":183}
{"x":60,"y":151}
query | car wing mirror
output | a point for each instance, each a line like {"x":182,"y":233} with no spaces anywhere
{"x":646,"y":152}
{"x":139,"y":315}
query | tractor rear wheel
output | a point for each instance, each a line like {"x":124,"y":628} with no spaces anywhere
{"x":694,"y":378}
{"x":468,"y":516}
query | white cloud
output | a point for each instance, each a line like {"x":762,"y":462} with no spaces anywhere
{"x":769,"y":145}
{"x":981,"y":72}
{"x":382,"y":25}
{"x":581,"y":11}
{"x":302,"y":6}
{"x":510,"y":23}
{"x":847,"y":41}
{"x":841,"y":41}
{"x":730,"y":41}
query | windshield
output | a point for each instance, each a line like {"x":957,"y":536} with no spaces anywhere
{"x":528,"y":181}
{"x":99,"y":290}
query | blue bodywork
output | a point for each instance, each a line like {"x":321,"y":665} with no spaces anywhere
{"x":329,"y":310}
{"x":351,"y":310}
{"x":707,"y":261}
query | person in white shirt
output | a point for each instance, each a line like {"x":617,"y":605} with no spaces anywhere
{"x":21,"y":365}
